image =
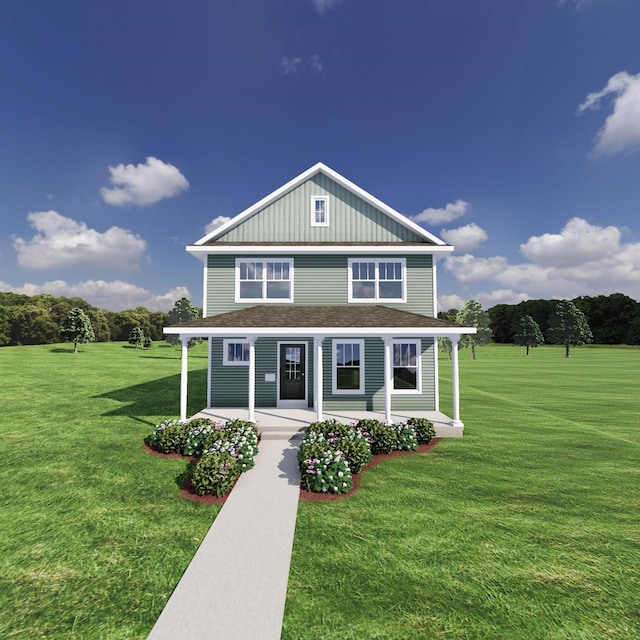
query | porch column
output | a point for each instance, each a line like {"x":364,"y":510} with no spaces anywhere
{"x":184,"y":372}
{"x":456,"y":422}
{"x":252,"y":378}
{"x":319,"y":376}
{"x":388,"y":379}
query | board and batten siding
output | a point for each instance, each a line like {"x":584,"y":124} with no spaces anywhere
{"x":351,"y":219}
{"x":319,"y":280}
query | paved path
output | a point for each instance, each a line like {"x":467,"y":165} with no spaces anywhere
{"x":236,"y":584}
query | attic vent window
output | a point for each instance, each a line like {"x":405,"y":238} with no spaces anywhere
{"x":319,"y":211}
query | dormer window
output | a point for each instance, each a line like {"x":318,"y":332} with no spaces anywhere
{"x":319,"y":211}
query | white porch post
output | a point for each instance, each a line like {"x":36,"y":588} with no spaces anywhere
{"x":319,"y":376}
{"x":184,"y":372}
{"x":456,"y":422}
{"x":388,"y":379}
{"x":252,"y":378}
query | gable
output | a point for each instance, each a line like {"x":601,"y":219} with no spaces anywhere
{"x":351,"y":218}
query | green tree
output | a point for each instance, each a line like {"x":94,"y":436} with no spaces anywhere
{"x":445,"y":346}
{"x":136,"y":337}
{"x":472,"y":315}
{"x":528,"y":333}
{"x":76,"y":327}
{"x":148,"y":342}
{"x":183,"y":311}
{"x":5,"y":326}
{"x":568,"y":326}
{"x":32,"y":324}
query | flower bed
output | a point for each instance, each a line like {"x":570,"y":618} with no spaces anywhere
{"x":219,"y":452}
{"x":331,"y":452}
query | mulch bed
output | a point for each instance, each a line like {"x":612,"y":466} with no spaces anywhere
{"x":187,"y":492}
{"x":312,"y":496}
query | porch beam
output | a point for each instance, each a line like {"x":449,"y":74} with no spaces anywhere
{"x":318,"y":382}
{"x":455,"y":375}
{"x":388,"y":378}
{"x":252,"y":378}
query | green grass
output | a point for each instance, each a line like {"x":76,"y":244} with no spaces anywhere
{"x":526,"y":528}
{"x":93,"y":533}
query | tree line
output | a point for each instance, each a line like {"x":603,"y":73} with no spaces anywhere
{"x":613,"y":319}
{"x":26,"y":320}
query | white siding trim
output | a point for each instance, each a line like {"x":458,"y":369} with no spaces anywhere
{"x":418,"y":389}
{"x":232,"y":363}
{"x":334,"y":377}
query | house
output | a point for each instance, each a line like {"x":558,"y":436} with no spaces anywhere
{"x":321,"y":299}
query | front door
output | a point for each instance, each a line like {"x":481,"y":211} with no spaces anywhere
{"x":293,"y":385}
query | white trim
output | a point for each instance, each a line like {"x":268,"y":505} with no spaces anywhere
{"x":318,"y":382}
{"x":418,"y":390}
{"x":209,"y":368}
{"x":263,"y":261}
{"x":225,"y":353}
{"x":334,"y":368}
{"x":314,"y":222}
{"x":306,"y":332}
{"x":376,"y":260}
{"x":293,"y":404}
{"x":204,"y":289}
{"x":336,"y":177}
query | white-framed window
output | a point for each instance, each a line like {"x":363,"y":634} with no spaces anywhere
{"x":319,"y":211}
{"x":376,"y":280}
{"x":235,"y":353}
{"x":407,"y":366}
{"x":264,"y":280}
{"x":348,"y":366}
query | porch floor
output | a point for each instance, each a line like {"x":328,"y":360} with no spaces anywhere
{"x":281,"y":423}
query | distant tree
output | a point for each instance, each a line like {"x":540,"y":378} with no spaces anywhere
{"x":183,"y":311}
{"x":448,"y":315}
{"x":158,"y":320}
{"x":445,"y":346}
{"x":5,"y":326}
{"x":609,"y":317}
{"x":502,"y":321}
{"x":76,"y":327}
{"x":472,"y":315}
{"x":136,"y":337}
{"x":32,"y":324}
{"x":568,"y":326}
{"x":539,"y":310}
{"x":147,"y":343}
{"x":100,"y":325}
{"x":528,"y":333}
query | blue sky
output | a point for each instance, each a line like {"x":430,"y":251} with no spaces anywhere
{"x":509,"y":128}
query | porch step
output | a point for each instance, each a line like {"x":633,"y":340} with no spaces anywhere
{"x":281,"y":433}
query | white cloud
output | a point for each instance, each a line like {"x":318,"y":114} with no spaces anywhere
{"x":468,"y":268}
{"x":143,"y":184}
{"x":322,"y":6}
{"x":589,"y":260}
{"x":621,"y":130}
{"x":290,"y":66}
{"x":215,"y":223}
{"x":316,"y":64}
{"x":577,"y":243}
{"x":452,"y":211}
{"x":500,"y":296}
{"x":64,"y":243}
{"x":113,"y":296}
{"x":465,"y":238}
{"x":450,"y":302}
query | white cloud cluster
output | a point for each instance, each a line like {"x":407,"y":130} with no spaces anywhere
{"x":61,"y":242}
{"x":215,"y":223}
{"x":450,"y":212}
{"x":113,"y":296}
{"x":293,"y":65}
{"x":143,"y":184}
{"x":322,"y":6}
{"x":582,"y":259}
{"x":621,"y":130}
{"x":465,"y":238}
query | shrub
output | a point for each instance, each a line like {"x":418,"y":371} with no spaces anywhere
{"x":330,"y":428}
{"x":147,"y":343}
{"x":240,"y":425}
{"x":199,"y":431}
{"x":241,"y":442}
{"x":383,"y":437}
{"x":425,"y":431}
{"x":356,"y":451}
{"x":215,"y":474}
{"x":169,"y":436}
{"x":313,"y":449}
{"x":327,"y":473}
{"x":406,"y":439}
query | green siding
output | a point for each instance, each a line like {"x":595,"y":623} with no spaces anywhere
{"x":318,"y":280}
{"x":351,"y":219}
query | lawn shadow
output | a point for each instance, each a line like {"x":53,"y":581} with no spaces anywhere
{"x":159,"y":397}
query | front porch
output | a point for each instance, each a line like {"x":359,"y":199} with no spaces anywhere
{"x":275,"y":423}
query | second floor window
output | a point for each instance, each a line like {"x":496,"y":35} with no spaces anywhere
{"x":319,"y":211}
{"x":264,"y":280}
{"x":377,"y":280}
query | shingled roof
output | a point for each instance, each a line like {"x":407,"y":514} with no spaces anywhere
{"x":329,"y":317}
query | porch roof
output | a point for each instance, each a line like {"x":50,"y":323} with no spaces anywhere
{"x":318,"y":320}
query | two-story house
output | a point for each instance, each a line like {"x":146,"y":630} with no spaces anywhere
{"x":320,"y":301}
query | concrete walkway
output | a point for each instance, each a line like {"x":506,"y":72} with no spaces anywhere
{"x":236,"y":584}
